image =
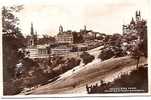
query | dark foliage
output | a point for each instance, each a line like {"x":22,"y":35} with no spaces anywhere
{"x":137,"y":79}
{"x":65,"y":65}
{"x":38,"y":72}
{"x":87,"y":58}
{"x":12,"y":40}
{"x":45,"y":40}
{"x":12,"y":87}
{"x":106,"y":54}
{"x":77,"y":37}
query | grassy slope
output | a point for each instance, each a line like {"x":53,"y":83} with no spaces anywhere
{"x":91,"y":73}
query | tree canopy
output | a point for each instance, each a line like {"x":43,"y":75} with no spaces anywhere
{"x":12,"y":39}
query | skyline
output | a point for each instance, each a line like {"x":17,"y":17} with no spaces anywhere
{"x":101,"y":16}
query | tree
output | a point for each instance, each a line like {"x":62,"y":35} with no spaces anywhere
{"x":12,"y":39}
{"x":106,"y":53}
{"x":10,"y":22}
{"x":140,"y":48}
{"x":77,"y":37}
{"x":87,"y":58}
{"x":136,"y":54}
{"x":45,"y":40}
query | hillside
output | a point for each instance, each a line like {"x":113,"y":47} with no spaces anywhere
{"x":75,"y":81}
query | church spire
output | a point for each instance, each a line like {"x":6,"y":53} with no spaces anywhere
{"x":138,"y":15}
{"x":32,"y":29}
{"x":85,"y":27}
{"x":60,"y":29}
{"x":132,"y":21}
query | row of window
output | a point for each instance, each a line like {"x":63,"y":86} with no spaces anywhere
{"x":42,"y":51}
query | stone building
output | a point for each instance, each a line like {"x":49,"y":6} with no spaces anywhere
{"x":61,"y":50}
{"x":43,"y":51}
{"x":132,"y":27}
{"x":40,"y":51}
{"x":64,"y":36}
{"x":88,"y":34}
{"x":135,"y":32}
{"x":35,"y":50}
{"x":127,"y":29}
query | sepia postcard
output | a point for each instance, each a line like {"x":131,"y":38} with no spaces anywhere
{"x":74,"y":48}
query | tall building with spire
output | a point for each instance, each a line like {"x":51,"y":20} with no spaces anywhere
{"x":60,"y":29}
{"x":64,"y":36}
{"x":138,"y":16}
{"x":32,"y":38}
{"x":32,"y":30}
{"x":35,"y":50}
{"x":132,"y":26}
{"x":85,"y":27}
{"x":137,"y":28}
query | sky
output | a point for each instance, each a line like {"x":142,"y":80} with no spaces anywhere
{"x":105,"y":16}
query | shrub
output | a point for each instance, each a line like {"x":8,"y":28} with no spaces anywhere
{"x":106,"y":54}
{"x":67,"y":65}
{"x":86,"y":57}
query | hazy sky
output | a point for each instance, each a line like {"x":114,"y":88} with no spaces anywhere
{"x":105,"y":16}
